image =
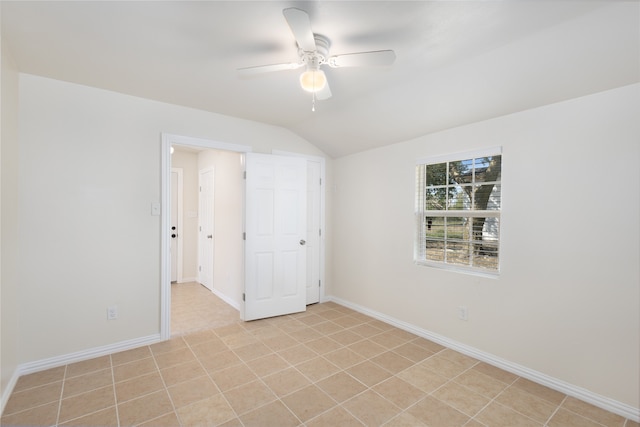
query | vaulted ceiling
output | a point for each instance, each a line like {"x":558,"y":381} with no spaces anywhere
{"x":457,"y":62}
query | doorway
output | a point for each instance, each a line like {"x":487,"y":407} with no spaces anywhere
{"x":220,"y":275}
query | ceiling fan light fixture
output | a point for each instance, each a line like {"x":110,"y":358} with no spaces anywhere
{"x":313,"y":80}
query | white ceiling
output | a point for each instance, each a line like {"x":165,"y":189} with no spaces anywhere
{"x":457,"y":62}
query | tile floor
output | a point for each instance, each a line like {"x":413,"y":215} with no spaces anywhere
{"x":329,"y":366}
{"x":194,"y":307}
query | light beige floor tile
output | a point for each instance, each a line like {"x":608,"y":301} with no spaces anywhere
{"x":311,"y":319}
{"x":480,"y":383}
{"x":212,"y":411}
{"x":341,"y":386}
{"x":323,"y":345}
{"x":184,"y":372}
{"x":348,"y":321}
{"x":240,"y":339}
{"x":399,"y":392}
{"x":327,"y":328}
{"x":413,"y":352}
{"x":280,"y":342}
{"x":330,"y":314}
{"x":297,"y":354}
{"x":130,"y":355}
{"x":40,"y":378}
{"x":232,"y":377}
{"x":249,"y":396}
{"x":366,"y":330}
{"x":367,"y":348}
{"x":334,"y":417}
{"x":593,"y":413}
{"x":138,"y":387}
{"x":286,"y":381}
{"x":630,"y":423}
{"x":188,"y":392}
{"x":436,"y":413}
{"x":176,"y":343}
{"x":539,"y":390}
{"x":273,"y":414}
{"x":345,"y":337}
{"x":308,"y":402}
{"x":167,"y":420}
{"x":200,"y":337}
{"x":371,"y":408}
{"x":86,"y":366}
{"x":105,"y":417}
{"x":428,"y":344}
{"x":267,"y":365}
{"x":87,"y":382}
{"x":252,"y":351}
{"x":497,"y":415}
{"x":496,"y":373}
{"x":33,"y":397}
{"x":317,"y":369}
{"x":344,"y":358}
{"x":527,"y":404}
{"x":219,"y":361}
{"x":134,"y":369}
{"x":86,"y":403}
{"x":44,"y":415}
{"x":392,"y":362}
{"x":422,"y":378}
{"x":368,"y":373}
{"x":461,"y":398}
{"x":443,"y":366}
{"x":404,"y":419}
{"x":389,"y":339}
{"x":144,"y":408}
{"x":173,"y":358}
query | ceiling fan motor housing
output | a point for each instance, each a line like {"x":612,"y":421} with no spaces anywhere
{"x":320,"y":56}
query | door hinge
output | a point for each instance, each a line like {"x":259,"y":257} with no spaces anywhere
{"x":244,"y":174}
{"x":199,"y":268}
{"x":243,"y":297}
{"x":201,"y":188}
{"x":244,"y":236}
{"x":320,"y":181}
{"x":319,"y":283}
{"x":320,"y":232}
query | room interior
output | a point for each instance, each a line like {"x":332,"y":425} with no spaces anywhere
{"x":90,"y":89}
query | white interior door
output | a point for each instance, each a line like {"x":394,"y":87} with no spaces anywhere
{"x":313,"y":231}
{"x":276,"y":228}
{"x":205,"y":227}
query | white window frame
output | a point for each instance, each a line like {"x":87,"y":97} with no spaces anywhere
{"x":421,"y":212}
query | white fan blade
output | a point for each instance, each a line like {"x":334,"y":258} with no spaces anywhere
{"x":300,"y":25}
{"x":363,"y":59}
{"x":249,"y":71}
{"x":325,"y":93}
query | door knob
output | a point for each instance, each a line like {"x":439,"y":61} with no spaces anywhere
{"x":209,"y":236}
{"x":303,"y":242}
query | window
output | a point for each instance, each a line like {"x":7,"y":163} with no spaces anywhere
{"x":458,"y":205}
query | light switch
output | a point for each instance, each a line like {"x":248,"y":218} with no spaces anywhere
{"x":155,"y":209}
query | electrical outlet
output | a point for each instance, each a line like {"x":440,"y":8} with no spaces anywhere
{"x":112,"y":312}
{"x":463,"y":313}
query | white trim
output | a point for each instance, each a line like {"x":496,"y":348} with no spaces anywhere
{"x":54,"y":362}
{"x":323,"y":227}
{"x":188,"y":280}
{"x":167,"y":140}
{"x":226,"y":299}
{"x":606,"y":403}
{"x":180,"y":224}
{"x":462,"y":155}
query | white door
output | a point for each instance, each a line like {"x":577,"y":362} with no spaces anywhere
{"x":313,"y":231}
{"x":173,"y":233}
{"x":205,"y":228}
{"x":276,"y":228}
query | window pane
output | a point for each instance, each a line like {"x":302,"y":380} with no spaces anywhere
{"x":437,"y":174}
{"x":485,"y":229}
{"x":487,"y":197}
{"x":459,"y":198}
{"x":488,"y":169}
{"x":485,"y":255}
{"x":457,"y":228}
{"x":434,"y":227}
{"x":458,"y":253}
{"x":435,"y":250}
{"x":436,"y":199}
{"x":461,"y":172}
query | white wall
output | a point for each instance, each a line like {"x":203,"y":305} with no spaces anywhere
{"x":566,"y":303}
{"x":188,"y":162}
{"x":228,"y":257}
{"x":89,"y":171}
{"x":9,"y":153}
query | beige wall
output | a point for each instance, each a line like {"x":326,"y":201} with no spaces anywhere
{"x":566,"y":303}
{"x":89,"y":171}
{"x":188,"y":162}
{"x":228,"y":262}
{"x":9,"y":297}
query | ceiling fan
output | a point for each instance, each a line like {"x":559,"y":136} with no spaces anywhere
{"x":313,"y":50}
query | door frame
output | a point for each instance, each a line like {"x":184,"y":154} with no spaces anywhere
{"x":323,"y":228}
{"x":179,"y":239}
{"x":210,"y":262}
{"x":167,"y":140}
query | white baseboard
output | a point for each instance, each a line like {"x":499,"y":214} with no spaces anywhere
{"x":187,"y":280}
{"x":226,"y":299}
{"x":585,"y":395}
{"x":54,"y":362}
